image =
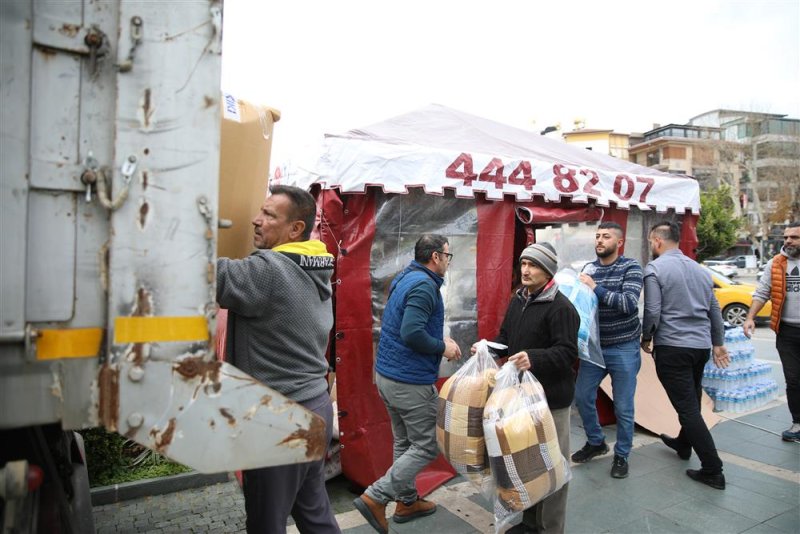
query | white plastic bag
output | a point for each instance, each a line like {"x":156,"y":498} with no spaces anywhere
{"x":522,"y":445}
{"x":459,"y":421}
{"x":585,"y":302}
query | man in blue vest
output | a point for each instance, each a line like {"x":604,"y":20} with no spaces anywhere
{"x":407,"y":366}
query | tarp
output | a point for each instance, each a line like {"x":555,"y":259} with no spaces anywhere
{"x":439,"y":148}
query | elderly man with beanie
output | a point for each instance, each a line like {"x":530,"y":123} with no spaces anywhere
{"x":540,"y":329}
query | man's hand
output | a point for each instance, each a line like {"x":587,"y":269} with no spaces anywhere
{"x":451,"y":349}
{"x":521,"y":360}
{"x":749,"y":326}
{"x":473,"y":349}
{"x":646,"y":345}
{"x":721,"y":358}
{"x":588,"y":280}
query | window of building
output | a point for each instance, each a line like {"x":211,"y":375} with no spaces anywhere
{"x":782,"y":127}
{"x":703,"y":155}
{"x":742,"y":131}
{"x":653,"y":158}
{"x":778,"y":149}
{"x":674,"y":152}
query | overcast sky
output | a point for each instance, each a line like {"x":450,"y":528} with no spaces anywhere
{"x":330,"y":66}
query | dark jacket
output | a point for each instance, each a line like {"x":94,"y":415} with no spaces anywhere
{"x":545,"y":327}
{"x":411,"y":344}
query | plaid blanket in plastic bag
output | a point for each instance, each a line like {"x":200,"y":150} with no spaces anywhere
{"x":522,"y":444}
{"x":459,"y":420}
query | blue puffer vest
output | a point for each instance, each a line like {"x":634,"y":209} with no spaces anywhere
{"x":395,"y":360}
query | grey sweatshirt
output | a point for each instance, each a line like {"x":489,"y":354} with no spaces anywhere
{"x":279,"y":318}
{"x":791,"y":306}
{"x":680,"y":309}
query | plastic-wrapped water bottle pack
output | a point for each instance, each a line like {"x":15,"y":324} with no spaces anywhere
{"x":746,"y":383}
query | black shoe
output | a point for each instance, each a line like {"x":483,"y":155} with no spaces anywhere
{"x":684,"y":451}
{"x":715,"y":481}
{"x":589,"y":451}
{"x":619,"y":469}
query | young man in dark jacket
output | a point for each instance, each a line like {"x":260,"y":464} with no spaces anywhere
{"x":541,"y":331}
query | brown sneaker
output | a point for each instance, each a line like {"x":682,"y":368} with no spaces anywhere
{"x":407,"y":512}
{"x":374,"y":512}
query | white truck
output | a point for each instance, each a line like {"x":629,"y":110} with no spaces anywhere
{"x":110,"y":131}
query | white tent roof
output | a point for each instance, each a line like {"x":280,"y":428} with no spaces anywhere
{"x":440,"y":148}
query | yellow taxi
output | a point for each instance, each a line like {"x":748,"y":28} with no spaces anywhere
{"x":735,"y":298}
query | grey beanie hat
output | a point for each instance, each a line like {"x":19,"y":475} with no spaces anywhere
{"x":543,"y":255}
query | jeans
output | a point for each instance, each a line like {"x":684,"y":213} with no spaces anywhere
{"x":623,"y":361}
{"x":272,"y":493}
{"x":412,"y":410}
{"x":680,"y":371}
{"x":788,"y":345}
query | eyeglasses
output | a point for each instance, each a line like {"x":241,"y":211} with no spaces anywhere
{"x":449,"y":256}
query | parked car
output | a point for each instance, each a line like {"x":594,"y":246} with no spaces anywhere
{"x":724,"y":267}
{"x":735,"y":298}
{"x":742,"y":262}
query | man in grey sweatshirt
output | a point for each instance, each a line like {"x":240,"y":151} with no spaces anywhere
{"x":780,"y":284}
{"x":682,"y":320}
{"x":279,"y":318}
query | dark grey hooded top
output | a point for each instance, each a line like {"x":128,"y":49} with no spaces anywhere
{"x":279,"y":316}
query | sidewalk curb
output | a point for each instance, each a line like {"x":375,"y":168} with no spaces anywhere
{"x":154,"y":486}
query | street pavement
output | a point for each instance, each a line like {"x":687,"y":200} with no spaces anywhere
{"x":762,"y":495}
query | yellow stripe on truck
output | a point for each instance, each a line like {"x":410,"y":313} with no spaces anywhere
{"x":159,"y":329}
{"x":68,"y":343}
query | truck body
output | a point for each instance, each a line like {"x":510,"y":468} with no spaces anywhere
{"x":110,"y":175}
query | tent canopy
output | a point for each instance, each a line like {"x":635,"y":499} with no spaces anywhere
{"x":439,"y":148}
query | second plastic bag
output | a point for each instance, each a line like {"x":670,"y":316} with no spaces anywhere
{"x":522,"y":444}
{"x":585,"y":302}
{"x":459,"y":421}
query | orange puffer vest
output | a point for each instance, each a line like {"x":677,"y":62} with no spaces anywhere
{"x":778,"y":290}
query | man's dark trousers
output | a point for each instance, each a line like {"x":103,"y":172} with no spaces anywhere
{"x":680,"y":371}
{"x":272,"y":493}
{"x":788,"y":344}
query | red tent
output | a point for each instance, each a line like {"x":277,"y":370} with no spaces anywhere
{"x":491,"y":189}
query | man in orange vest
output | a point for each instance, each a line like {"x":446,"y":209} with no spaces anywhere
{"x":780,"y":283}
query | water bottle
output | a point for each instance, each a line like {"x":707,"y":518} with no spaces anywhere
{"x":734,"y":401}
{"x":725,"y":401}
{"x":748,"y":352}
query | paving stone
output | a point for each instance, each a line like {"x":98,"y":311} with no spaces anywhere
{"x":763,"y":528}
{"x":652,"y":523}
{"x":657,"y":497}
{"x":706,"y":517}
{"x":787,"y":521}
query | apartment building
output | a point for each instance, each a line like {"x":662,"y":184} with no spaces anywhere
{"x":751,"y":152}
{"x":603,"y":141}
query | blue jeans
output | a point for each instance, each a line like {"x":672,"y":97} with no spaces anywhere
{"x":622,"y":363}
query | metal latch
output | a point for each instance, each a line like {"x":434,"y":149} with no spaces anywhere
{"x":136,"y":40}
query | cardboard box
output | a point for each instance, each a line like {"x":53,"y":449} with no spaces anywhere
{"x":243,"y":171}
